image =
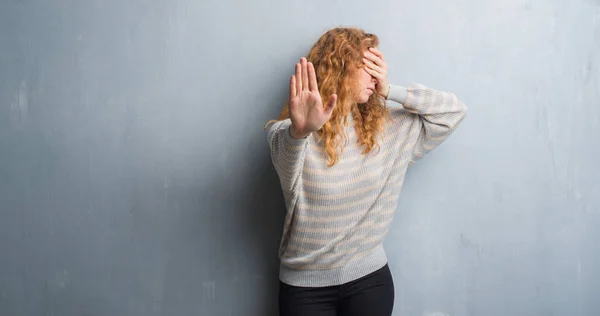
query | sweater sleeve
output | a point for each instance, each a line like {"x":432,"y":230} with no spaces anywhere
{"x":287,"y":153}
{"x":438,"y":113}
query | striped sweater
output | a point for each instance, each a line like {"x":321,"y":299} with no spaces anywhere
{"x":337,"y":217}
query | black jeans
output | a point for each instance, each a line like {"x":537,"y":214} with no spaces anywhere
{"x":371,"y":295}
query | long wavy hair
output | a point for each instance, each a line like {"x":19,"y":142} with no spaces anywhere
{"x":338,"y":57}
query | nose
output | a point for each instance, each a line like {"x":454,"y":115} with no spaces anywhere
{"x":374,"y":80}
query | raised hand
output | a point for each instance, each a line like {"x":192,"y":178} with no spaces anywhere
{"x":307,"y":112}
{"x":377,"y":67}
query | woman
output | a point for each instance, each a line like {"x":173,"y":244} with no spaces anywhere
{"x":341,"y":155}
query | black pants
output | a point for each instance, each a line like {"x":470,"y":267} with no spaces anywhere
{"x":371,"y":295}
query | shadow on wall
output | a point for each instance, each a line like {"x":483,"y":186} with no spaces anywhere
{"x":223,"y":251}
{"x":223,"y":248}
{"x":258,"y":227}
{"x":257,"y":221}
{"x":246,"y":210}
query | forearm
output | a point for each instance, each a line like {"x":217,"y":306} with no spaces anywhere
{"x":287,"y":153}
{"x":397,"y":94}
{"x":435,"y":105}
{"x":438,"y":113}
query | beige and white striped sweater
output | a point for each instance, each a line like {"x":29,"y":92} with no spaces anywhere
{"x":337,"y":217}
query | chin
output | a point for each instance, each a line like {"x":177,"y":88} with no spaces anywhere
{"x":364,"y":99}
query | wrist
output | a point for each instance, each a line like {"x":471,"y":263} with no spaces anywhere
{"x":386,"y":91}
{"x":297,"y":134}
{"x":398,"y":94}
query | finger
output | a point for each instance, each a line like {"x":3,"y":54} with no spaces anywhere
{"x":331,"y":104}
{"x":374,"y":58}
{"x":377,"y":52}
{"x":292,"y":87}
{"x":304,"y":74}
{"x":312,"y":78}
{"x":372,"y":66}
{"x":374,"y":73}
{"x":298,"y":78}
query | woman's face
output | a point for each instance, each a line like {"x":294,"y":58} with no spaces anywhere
{"x":366,"y":86}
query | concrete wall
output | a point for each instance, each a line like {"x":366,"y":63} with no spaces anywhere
{"x":135,"y":177}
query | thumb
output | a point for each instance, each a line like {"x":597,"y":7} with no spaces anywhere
{"x":331,"y":103}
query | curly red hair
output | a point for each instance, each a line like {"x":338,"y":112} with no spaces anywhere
{"x":337,"y":57}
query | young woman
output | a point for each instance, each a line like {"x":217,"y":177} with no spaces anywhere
{"x":341,"y":155}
